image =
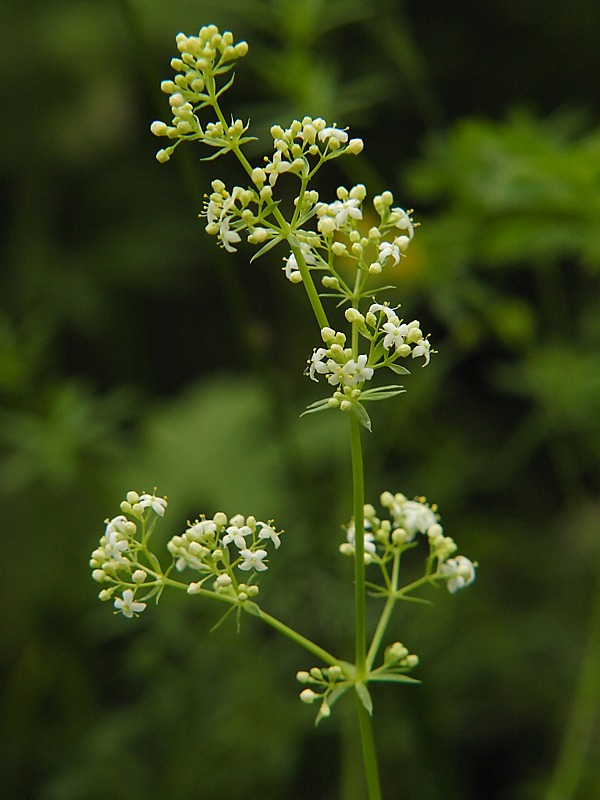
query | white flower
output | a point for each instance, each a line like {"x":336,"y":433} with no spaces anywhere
{"x":276,"y":167}
{"x":292,"y":272}
{"x":317,"y":364}
{"x":127,"y":606}
{"x":115,"y":547}
{"x":423,"y":348}
{"x":228,"y":237}
{"x":338,"y":136}
{"x":356,"y":371}
{"x":459,"y":571}
{"x":157,"y":504}
{"x":395,"y":333}
{"x":237,"y":535}
{"x":117,"y":525}
{"x":417,"y":517}
{"x":253,"y":560}
{"x":267,"y":532}
{"x":404,"y":222}
{"x":389,"y":250}
{"x":201,"y":530}
{"x":369,"y":541}
{"x":374,"y":308}
{"x":342,"y":209}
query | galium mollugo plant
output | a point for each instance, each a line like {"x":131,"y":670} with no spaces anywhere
{"x":223,"y":557}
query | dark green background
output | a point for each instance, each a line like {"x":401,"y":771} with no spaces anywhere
{"x":134,"y":353}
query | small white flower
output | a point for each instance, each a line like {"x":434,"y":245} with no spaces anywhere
{"x":157,"y":504}
{"x":404,"y":222}
{"x":356,"y":371}
{"x":253,"y":560}
{"x":276,"y":167}
{"x":459,"y":571}
{"x":417,"y":517}
{"x":292,"y":272}
{"x":341,"y":210}
{"x":395,"y":333}
{"x":369,"y":546}
{"x":267,"y":532}
{"x":127,"y":606}
{"x":389,"y":250}
{"x":237,"y":535}
{"x":115,"y":547}
{"x":228,"y":237}
{"x":339,"y":136}
{"x":317,"y":364}
{"x":423,"y":348}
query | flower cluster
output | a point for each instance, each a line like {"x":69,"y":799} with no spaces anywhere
{"x":202,"y":58}
{"x":118,"y":562}
{"x":219,"y":545}
{"x":390,"y":339}
{"x":215,"y":548}
{"x":386,"y":539}
{"x":331,"y":682}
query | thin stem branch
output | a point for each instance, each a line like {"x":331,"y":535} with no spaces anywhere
{"x":360,"y":624}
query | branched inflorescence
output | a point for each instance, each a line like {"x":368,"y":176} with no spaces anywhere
{"x":328,"y":242}
{"x":215,"y":548}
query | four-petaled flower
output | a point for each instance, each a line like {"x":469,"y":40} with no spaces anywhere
{"x":276,"y":167}
{"x":127,"y":605}
{"x":460,"y":572}
{"x":237,"y":535}
{"x":267,"y":532}
{"x":253,"y":560}
{"x":157,"y":504}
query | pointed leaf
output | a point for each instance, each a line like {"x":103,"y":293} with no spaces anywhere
{"x":265,"y":248}
{"x":359,"y":411}
{"x":399,"y":369}
{"x":389,"y":677}
{"x":364,"y":697}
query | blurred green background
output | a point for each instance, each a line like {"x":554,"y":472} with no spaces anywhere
{"x":134,"y":353}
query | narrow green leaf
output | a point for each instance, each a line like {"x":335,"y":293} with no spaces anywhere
{"x":359,"y":411}
{"x":399,"y":369}
{"x":388,"y":677}
{"x":268,"y":246}
{"x":364,"y":696}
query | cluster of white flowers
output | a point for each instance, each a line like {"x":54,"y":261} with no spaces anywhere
{"x":336,"y":363}
{"x":214,"y":547}
{"x":384,"y":538}
{"x":219,"y":545}
{"x":116,"y":561}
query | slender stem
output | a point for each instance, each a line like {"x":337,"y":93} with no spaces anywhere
{"x":309,"y":286}
{"x":360,"y":624}
{"x":254,"y":610}
{"x":369,"y":752}
{"x":385,"y":614}
{"x":307,"y":644}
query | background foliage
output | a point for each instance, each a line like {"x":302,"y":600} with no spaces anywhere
{"x":134,"y":353}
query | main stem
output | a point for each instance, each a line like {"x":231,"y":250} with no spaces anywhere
{"x":360,"y":622}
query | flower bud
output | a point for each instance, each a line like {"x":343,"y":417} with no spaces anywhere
{"x":308,"y":696}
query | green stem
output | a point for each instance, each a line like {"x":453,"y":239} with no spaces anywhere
{"x":369,"y":752}
{"x":309,"y":286}
{"x":385,"y":614}
{"x":254,"y":610}
{"x":300,"y":640}
{"x":360,"y":624}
